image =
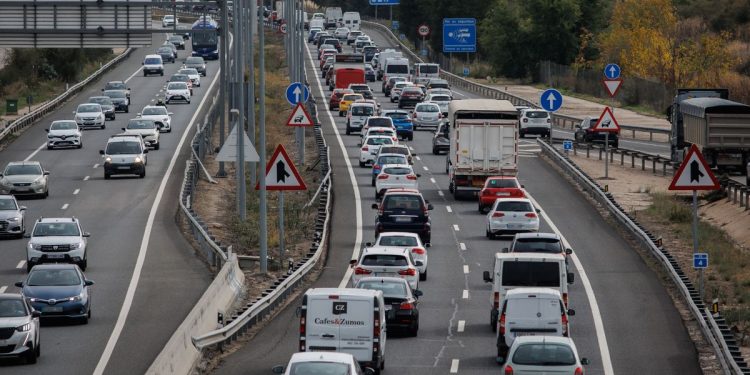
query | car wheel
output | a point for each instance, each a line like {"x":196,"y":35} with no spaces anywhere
{"x":372,"y":181}
{"x":362,"y":164}
{"x":157,"y":146}
{"x":107,"y":176}
{"x":83,"y":264}
{"x":46,"y":194}
{"x":143,"y":174}
{"x":493,"y":320}
{"x":188,"y":101}
{"x":414,"y":329}
{"x":411,"y":137}
{"x":29,"y":266}
{"x":85,"y":320}
{"x":127,"y":109}
{"x":161,"y":74}
{"x":31,"y":355}
{"x":49,"y":147}
{"x":480,"y":208}
{"x":341,"y":113}
{"x":423,"y":276}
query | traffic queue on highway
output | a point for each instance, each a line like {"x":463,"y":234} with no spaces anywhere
{"x":57,"y":252}
{"x":345,"y":330}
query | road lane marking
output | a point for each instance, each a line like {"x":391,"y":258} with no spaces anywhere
{"x":127,"y":303}
{"x":461,"y":326}
{"x":35,"y":152}
{"x":432,"y":179}
{"x":456,"y":228}
{"x":425,"y":168}
{"x":465,"y":294}
{"x":21,"y":264}
{"x":466,"y":268}
{"x":440,"y":193}
{"x":418,"y":158}
{"x":86,"y":178}
{"x":601,"y":337}
{"x":64,"y":207}
{"x":76,"y":191}
{"x":454,"y":366}
{"x":449,"y":209}
{"x":462,"y":246}
{"x":352,"y":178}
{"x":96,"y":165}
{"x":3,"y":288}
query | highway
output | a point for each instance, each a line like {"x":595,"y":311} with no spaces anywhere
{"x":625,"y":322}
{"x":147,"y":275}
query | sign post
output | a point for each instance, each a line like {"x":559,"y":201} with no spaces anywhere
{"x":695,"y":174}
{"x":607,"y":124}
{"x":612,"y":82}
{"x":551,"y":100}
{"x":423,"y":31}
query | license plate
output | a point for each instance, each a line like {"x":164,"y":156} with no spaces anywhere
{"x":514,"y":226}
{"x":403,"y":220}
{"x":502,"y":194}
{"x":55,"y":256}
{"x":519,"y":334}
{"x":125,"y":167}
{"x":52,"y":309}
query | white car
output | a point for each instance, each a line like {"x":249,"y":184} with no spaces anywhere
{"x":159,"y":114}
{"x":341,"y":33}
{"x":378,"y":122}
{"x":386,"y":262}
{"x":395,"y":176}
{"x":370,"y":148}
{"x":543,"y":355}
{"x":426,"y":115}
{"x":357,"y":116}
{"x":400,"y":240}
{"x":439,"y":91}
{"x":169,"y":20}
{"x":322,"y":363}
{"x":441,"y":100}
{"x":512,"y":215}
{"x":177,"y":91}
{"x":55,"y":240}
{"x":64,"y":133}
{"x":195,"y":77}
{"x":381,"y":131}
{"x":397,"y":88}
{"x":89,"y":115}
{"x":146,"y":129}
{"x":534,"y":121}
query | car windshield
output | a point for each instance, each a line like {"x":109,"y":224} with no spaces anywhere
{"x":115,"y":94}
{"x":89,"y":108}
{"x":502,"y":183}
{"x":53,"y":277}
{"x":544,"y":354}
{"x":392,"y":159}
{"x":194,"y":60}
{"x":8,"y":204}
{"x":141,"y":124}
{"x":384,"y":260}
{"x":537,"y":245}
{"x":379,"y":122}
{"x":402,"y":202}
{"x":537,"y":114}
{"x":319,"y":368}
{"x":56,"y":229}
{"x":12,"y":308}
{"x":398,"y":241}
{"x":428,"y":69}
{"x":115,"y":86}
{"x":164,"y":50}
{"x":179,"y":78}
{"x":398,"y":69}
{"x":23,"y":170}
{"x":398,"y":115}
{"x":400,"y":171}
{"x":514,"y":206}
{"x":440,"y":98}
{"x":427,"y":108}
{"x":152,"y":61}
{"x":123,"y":148}
{"x":379,"y":141}
{"x":63,"y":126}
{"x":190,"y":71}
{"x":177,"y":86}
{"x":101,"y":101}
{"x":394,"y":150}
{"x":154,"y":111}
{"x":362,"y":110}
{"x":389,"y":288}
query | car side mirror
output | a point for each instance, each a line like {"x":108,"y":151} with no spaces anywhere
{"x":36,"y":314}
{"x":486,"y":277}
{"x":19,"y":284}
{"x":170,"y":113}
{"x":74,"y":112}
{"x":142,"y":62}
{"x":368,"y":244}
{"x":123,"y":129}
{"x":419,"y":263}
{"x":22,"y":208}
{"x":419,"y":175}
{"x":430,"y":206}
{"x":101,"y":152}
{"x":353,"y":262}
{"x":418,"y":293}
{"x":523,"y":187}
{"x":145,"y":151}
{"x":568,"y":251}
{"x":571,"y":277}
{"x":277,"y":369}
{"x":538,"y":211}
{"x":89,"y":282}
{"x":46,"y":130}
{"x":46,"y":173}
{"x":428,"y":244}
{"x":505,"y":249}
{"x":374,"y":206}
{"x":86,"y":234}
{"x":571,"y":312}
{"x":585,"y":361}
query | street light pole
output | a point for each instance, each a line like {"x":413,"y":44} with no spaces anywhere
{"x":262,"y":146}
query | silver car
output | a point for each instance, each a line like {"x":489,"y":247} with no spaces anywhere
{"x":90,"y":115}
{"x":427,"y":115}
{"x":19,"y":328}
{"x":64,"y":133}
{"x":146,"y":129}
{"x":108,"y":106}
{"x":11,"y":216}
{"x":24,"y":178}
{"x":441,"y":100}
{"x":57,"y":240}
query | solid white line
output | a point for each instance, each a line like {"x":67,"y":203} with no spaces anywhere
{"x":352,"y":178}
{"x":21,"y":264}
{"x":35,"y":151}
{"x":64,"y":207}
{"x":3,"y":288}
{"x":448,"y":208}
{"x":462,"y":246}
{"x":425,"y":168}
{"x":456,"y":228}
{"x":440,"y":193}
{"x":601,"y":337}
{"x":432,"y":179}
{"x":133,"y":75}
{"x":454,"y":366}
{"x":96,"y":165}
{"x":76,"y":191}
{"x":410,"y":148}
{"x":461,"y":325}
{"x":86,"y":178}
{"x":466,"y":268}
{"x":130,"y":294}
{"x":465,"y":294}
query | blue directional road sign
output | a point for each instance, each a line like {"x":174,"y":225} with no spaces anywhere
{"x":612,"y":71}
{"x":551,"y":100}
{"x":395,"y":25}
{"x":567,"y":145}
{"x":700,"y":260}
{"x":384,"y":2}
{"x":459,"y":35}
{"x":297,"y":93}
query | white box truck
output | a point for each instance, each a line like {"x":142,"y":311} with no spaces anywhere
{"x":333,"y":17}
{"x":484,"y":143}
{"x":344,"y":320}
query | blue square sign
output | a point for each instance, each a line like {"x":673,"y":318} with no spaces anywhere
{"x":567,"y":145}
{"x":459,"y":35}
{"x":700,"y":260}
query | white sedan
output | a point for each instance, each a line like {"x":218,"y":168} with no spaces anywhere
{"x":322,"y":363}
{"x":381,"y":131}
{"x":89,"y":115}
{"x":159,"y":114}
{"x":371,"y":146}
{"x":147,"y":129}
{"x":512,"y":215}
{"x":405,"y":240}
{"x":395,"y":176}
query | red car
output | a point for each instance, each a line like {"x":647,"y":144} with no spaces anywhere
{"x":499,"y":187}
{"x":336,"y":96}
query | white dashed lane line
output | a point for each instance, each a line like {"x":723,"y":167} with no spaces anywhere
{"x":454,"y":366}
{"x":418,"y":158}
{"x":432,"y":179}
{"x":96,"y":165}
{"x":465,"y":294}
{"x":3,"y":288}
{"x":440,"y":193}
{"x":456,"y":228}
{"x":461,"y":325}
{"x":64,"y":207}
{"x":462,"y":246}
{"x":466,"y":268}
{"x":425,"y":168}
{"x":86,"y":178}
{"x":449,"y":209}
{"x":76,"y":191}
{"x":21,"y":264}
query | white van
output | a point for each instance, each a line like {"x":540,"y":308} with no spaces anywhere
{"x":382,"y":57}
{"x":423,"y":73}
{"x":344,"y":320}
{"x":531,"y":312}
{"x":519,"y":270}
{"x":352,"y":20}
{"x":396,"y":67}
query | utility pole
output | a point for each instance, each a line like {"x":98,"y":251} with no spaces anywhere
{"x":299,"y":29}
{"x":239,"y":102}
{"x":250,"y":87}
{"x":223,"y":48}
{"x":262,"y":146}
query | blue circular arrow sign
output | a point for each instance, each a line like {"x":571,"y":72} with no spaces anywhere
{"x":612,"y":71}
{"x":296,"y":93}
{"x":551,"y":100}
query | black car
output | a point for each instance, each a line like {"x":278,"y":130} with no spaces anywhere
{"x":119,"y":99}
{"x":369,"y":52}
{"x":403,"y":301}
{"x":197,"y":63}
{"x":410,"y":96}
{"x":178,"y":41}
{"x":585,"y":134}
{"x":108,"y":107}
{"x":59,"y":291}
{"x":166,"y":54}
{"x":404,"y":210}
{"x":117,"y":85}
{"x":441,"y":139}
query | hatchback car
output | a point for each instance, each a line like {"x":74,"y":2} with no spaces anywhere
{"x":89,"y":115}
{"x":408,"y":240}
{"x":306,"y":363}
{"x":410,"y":96}
{"x":56,"y":240}
{"x":382,"y":159}
{"x":378,"y":122}
{"x":395,"y":176}
{"x":346,"y":101}
{"x":442,"y":100}
{"x":166,"y":53}
{"x":312,"y":32}
{"x":147,"y":129}
{"x":371,"y":146}
{"x":192,"y":73}
{"x":361,"y":88}
{"x":160,"y":115}
{"x":402,"y":303}
{"x":386,"y":262}
{"x":184,"y":78}
{"x":177,"y":91}
{"x":512,"y":215}
{"x":58,"y":291}
{"x":353,"y":34}
{"x":369,"y":73}
{"x":108,"y":107}
{"x":397,"y":149}
{"x":441,"y":139}
{"x":426,"y":115}
{"x":534,"y":121}
{"x":543,"y":355}
{"x":119,"y":99}
{"x":403,"y":123}
{"x":19,"y":328}
{"x":117,"y":85}
{"x":546,"y":243}
{"x":178,"y":41}
{"x":404,"y":210}
{"x":171,"y":47}
{"x":499,"y":187}
{"x":341,"y":33}
{"x":197,"y":63}
{"x":64,"y":133}
{"x":585,"y":134}
{"x":169,"y":20}
{"x":24,"y":178}
{"x":12,"y":217}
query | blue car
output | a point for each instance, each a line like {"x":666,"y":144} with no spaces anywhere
{"x":383,"y":159}
{"x":58,"y":291}
{"x":402,"y":122}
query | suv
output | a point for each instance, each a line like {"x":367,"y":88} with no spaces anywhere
{"x":24,"y":178}
{"x":388,"y":85}
{"x":404,"y":210}
{"x":534,"y":121}
{"x":125,"y":154}
{"x":357,"y":116}
{"x":56,"y":240}
{"x":387,"y":261}
{"x":153,"y":64}
{"x":585,"y":134}
{"x":11,"y":216}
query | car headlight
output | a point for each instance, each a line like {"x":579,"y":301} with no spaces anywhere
{"x":75,"y":298}
{"x":108,"y":159}
{"x":33,"y":299}
{"x":138,"y":160}
{"x":166,"y":119}
{"x":35,"y":246}
{"x":24,"y":328}
{"x":215,"y":51}
{"x":14,"y":219}
{"x":75,"y":246}
{"x":37,"y":182}
{"x":78,"y":118}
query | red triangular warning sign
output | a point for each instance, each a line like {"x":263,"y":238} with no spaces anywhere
{"x":612,"y":86}
{"x":694,"y":173}
{"x":606,"y":122}
{"x":299,"y":117}
{"x":281,"y":174}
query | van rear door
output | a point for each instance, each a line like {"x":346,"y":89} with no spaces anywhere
{"x":356,"y":335}
{"x":534,"y":315}
{"x":322,"y":326}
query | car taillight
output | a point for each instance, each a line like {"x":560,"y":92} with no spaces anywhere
{"x":361,"y":271}
{"x":440,"y":115}
{"x":408,"y":272}
{"x":579,"y":371}
{"x":564,"y":320}
{"x":502,"y":324}
{"x":496,"y":300}
{"x":411,"y":177}
{"x":525,"y":120}
{"x":498,"y":214}
{"x":395,"y":139}
{"x":565,"y":299}
{"x":406,"y":306}
{"x":418,"y":251}
{"x":486,"y":192}
{"x":376,"y":166}
{"x":383,"y":176}
{"x":365,"y":148}
{"x":508,"y":370}
{"x":530,"y":215}
{"x":302,"y":330}
{"x":376,"y":329}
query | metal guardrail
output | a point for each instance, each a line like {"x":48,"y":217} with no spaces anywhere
{"x":713,"y":328}
{"x":52,"y":105}
{"x":558,"y":120}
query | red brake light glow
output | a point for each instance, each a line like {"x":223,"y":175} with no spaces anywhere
{"x":408,"y":272}
{"x":418,"y":250}
{"x":530,"y":215}
{"x":406,"y":306}
{"x":411,"y":177}
{"x":361,"y":271}
{"x":498,"y":214}
{"x":508,"y":370}
{"x":383,"y":176}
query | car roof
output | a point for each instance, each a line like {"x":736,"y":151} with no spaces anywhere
{"x":47,"y":266}
{"x":123,"y":82}
{"x":543,"y":339}
{"x":424,"y":104}
{"x":342,"y":291}
{"x":514,"y":200}
{"x":403,"y":191}
{"x":521,"y":292}
{"x":124,"y":137}
{"x":397,"y":165}
{"x":63,"y":121}
{"x":57,"y":220}
{"x":152,"y":106}
{"x":390,"y":154}
{"x":25,"y":163}
{"x":393,"y":250}
{"x":82,"y":104}
{"x":545,"y":235}
{"x":531,"y":256}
